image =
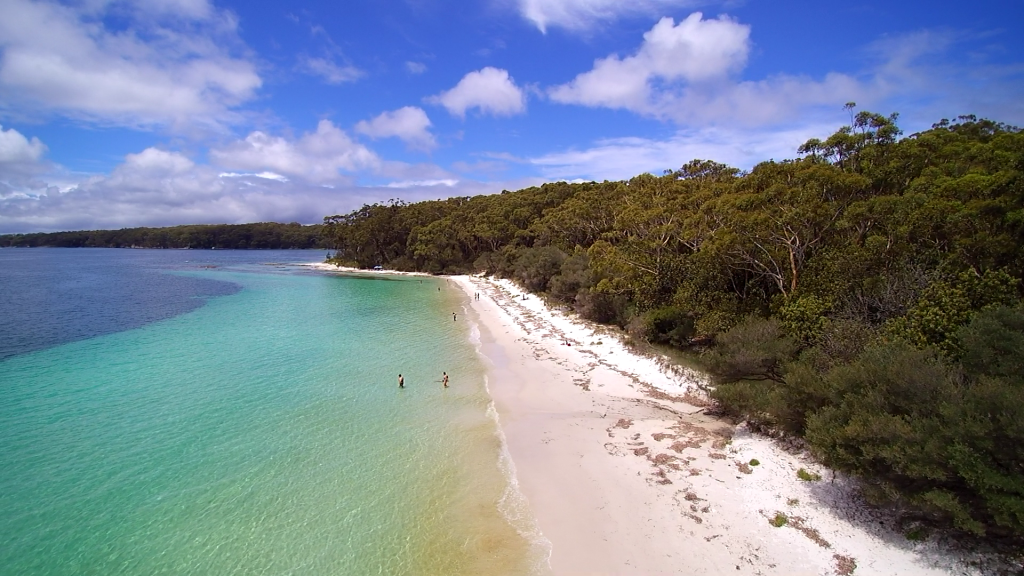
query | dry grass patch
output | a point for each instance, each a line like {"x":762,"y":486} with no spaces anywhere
{"x":800,"y":524}
{"x":845,"y":565}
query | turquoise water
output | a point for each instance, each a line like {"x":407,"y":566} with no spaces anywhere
{"x":262,"y":432}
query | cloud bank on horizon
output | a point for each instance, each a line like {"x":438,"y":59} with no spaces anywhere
{"x":118,"y":113}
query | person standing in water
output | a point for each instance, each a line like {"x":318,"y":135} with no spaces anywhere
{"x":453,"y":316}
{"x":444,"y":379}
{"x":401,"y":381}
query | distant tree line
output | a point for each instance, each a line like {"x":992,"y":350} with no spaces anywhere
{"x":865,"y":296}
{"x":263,"y":235}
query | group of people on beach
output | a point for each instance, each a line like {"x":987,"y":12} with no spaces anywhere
{"x":443,"y":380}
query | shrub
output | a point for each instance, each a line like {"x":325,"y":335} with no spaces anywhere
{"x":807,"y":476}
{"x":603,"y":307}
{"x":755,"y":462}
{"x":534,"y":267}
{"x":574,"y":275}
{"x":804,"y":319}
{"x":669,"y":325}
{"x":779,"y":520}
{"x":946,"y":306}
{"x":755,"y":350}
{"x":747,"y":368}
{"x":948,"y":437}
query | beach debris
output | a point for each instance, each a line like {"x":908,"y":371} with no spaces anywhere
{"x":800,"y":524}
{"x":845,"y":565}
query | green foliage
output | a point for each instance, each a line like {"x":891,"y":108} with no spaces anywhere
{"x":755,"y":462}
{"x":804,"y":318}
{"x":808,"y":476}
{"x":779,"y":520}
{"x":754,"y":350}
{"x":575,"y":275}
{"x":945,"y":306}
{"x":668,"y":325}
{"x":264,"y":235}
{"x":535,"y":267}
{"x":948,"y":437}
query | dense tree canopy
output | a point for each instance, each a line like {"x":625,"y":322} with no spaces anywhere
{"x":865,"y":295}
{"x":263,"y":235}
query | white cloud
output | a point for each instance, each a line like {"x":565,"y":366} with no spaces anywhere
{"x":328,"y":70}
{"x":195,"y":9}
{"x":316,"y":157}
{"x":491,"y":90}
{"x":685,"y":73}
{"x":579,"y":15}
{"x":410,"y":124}
{"x":266,"y":175}
{"x":619,"y":158}
{"x":415,"y":67}
{"x":16,"y":150}
{"x":173,"y":64}
{"x":449,"y":182}
{"x":157,"y":163}
{"x":695,"y":50}
{"x":163,"y":188}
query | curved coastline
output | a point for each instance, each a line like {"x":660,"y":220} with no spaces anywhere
{"x":624,"y":474}
{"x":618,"y":471}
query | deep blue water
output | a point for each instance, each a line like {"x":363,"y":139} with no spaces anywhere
{"x":51,"y":296}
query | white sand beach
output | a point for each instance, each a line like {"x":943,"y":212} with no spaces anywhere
{"x":625,"y":475}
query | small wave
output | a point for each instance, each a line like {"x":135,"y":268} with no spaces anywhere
{"x":513,"y":504}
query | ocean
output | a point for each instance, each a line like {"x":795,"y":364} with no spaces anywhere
{"x":234,"y":412}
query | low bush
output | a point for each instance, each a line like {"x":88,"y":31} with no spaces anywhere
{"x":807,"y":476}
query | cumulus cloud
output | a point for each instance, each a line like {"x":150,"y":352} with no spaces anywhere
{"x":328,"y":70}
{"x":686,"y":72}
{"x":318,"y":156}
{"x":490,"y":90}
{"x":175,"y":63}
{"x":409,"y":124}
{"x":695,"y":50}
{"x":161,"y":188}
{"x":17,"y":150}
{"x":578,"y":15}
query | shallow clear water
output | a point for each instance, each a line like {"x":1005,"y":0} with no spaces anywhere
{"x":229,"y":414}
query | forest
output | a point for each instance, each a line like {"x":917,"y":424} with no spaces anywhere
{"x":263,"y":235}
{"x":864,"y":296}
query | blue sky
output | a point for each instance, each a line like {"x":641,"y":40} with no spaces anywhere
{"x":160,"y":112}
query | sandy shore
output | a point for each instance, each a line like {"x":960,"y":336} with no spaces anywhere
{"x":625,"y":475}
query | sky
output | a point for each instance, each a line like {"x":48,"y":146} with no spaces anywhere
{"x":124,"y":113}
